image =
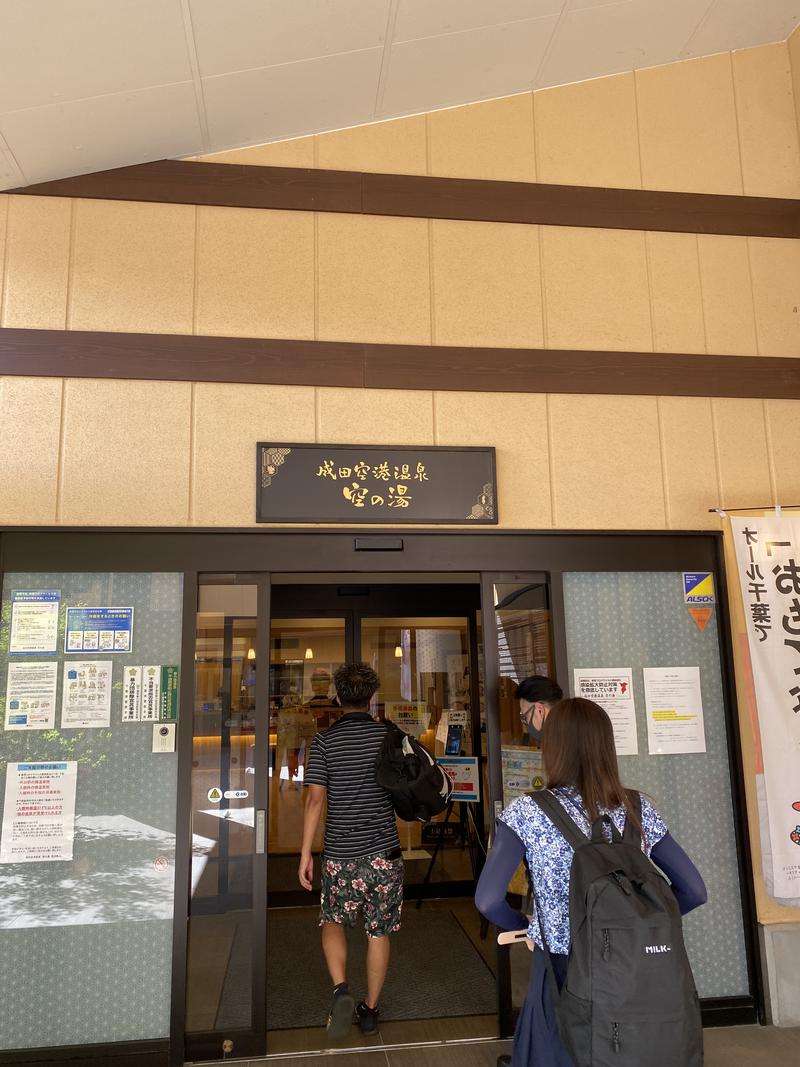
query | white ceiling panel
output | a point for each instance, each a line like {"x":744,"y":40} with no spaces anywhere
{"x":424,"y":18}
{"x":56,"y":50}
{"x":459,"y":67}
{"x":108,"y":131}
{"x":10,"y":177}
{"x":92,"y":84}
{"x":292,"y":99}
{"x":237,"y":35}
{"x":732,"y":24}
{"x":605,"y":40}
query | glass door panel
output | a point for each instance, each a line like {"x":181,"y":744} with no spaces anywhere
{"x":304,"y":653}
{"x":424,"y":667}
{"x":223,"y":919}
{"x":639,"y":620}
{"x":521,"y":635}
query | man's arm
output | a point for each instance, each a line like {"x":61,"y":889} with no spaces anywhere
{"x":311,"y":816}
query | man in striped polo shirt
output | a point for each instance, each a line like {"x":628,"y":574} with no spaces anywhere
{"x":362,"y":865}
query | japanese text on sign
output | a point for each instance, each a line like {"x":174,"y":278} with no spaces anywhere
{"x":767,"y":554}
{"x":786,"y":578}
{"x":375,"y":485}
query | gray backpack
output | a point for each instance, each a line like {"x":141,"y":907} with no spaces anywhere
{"x":629,"y":997}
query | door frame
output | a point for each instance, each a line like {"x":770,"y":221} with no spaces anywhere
{"x":362,"y":552}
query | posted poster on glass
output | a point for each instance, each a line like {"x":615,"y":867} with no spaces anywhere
{"x":612,"y":689}
{"x":34,"y":621}
{"x":674,"y":705}
{"x":86,"y":697}
{"x":31,"y":696}
{"x":39,"y":812}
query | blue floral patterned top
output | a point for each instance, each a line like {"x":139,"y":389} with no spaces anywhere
{"x":549,"y":856}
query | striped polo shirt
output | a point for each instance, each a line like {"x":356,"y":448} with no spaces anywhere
{"x":360,"y":819}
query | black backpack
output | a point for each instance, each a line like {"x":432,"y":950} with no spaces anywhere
{"x":629,"y":996}
{"x":418,"y":786}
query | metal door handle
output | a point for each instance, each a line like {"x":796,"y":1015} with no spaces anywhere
{"x":261,"y":832}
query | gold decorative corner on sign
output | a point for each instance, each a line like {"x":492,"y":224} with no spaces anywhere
{"x":271,"y":459}
{"x":484,"y":508}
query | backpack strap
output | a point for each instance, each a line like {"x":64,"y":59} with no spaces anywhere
{"x":555,"y":812}
{"x":631,"y":836}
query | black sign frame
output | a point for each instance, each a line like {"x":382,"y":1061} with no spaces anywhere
{"x":466,"y":495}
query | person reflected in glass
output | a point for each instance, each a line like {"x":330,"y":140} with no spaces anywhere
{"x":323,"y":707}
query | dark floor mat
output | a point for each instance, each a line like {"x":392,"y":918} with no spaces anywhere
{"x":435,"y":972}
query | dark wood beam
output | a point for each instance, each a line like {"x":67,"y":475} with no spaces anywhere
{"x":289,"y":188}
{"x":169,"y":357}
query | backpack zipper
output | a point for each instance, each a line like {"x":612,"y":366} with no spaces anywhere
{"x":606,"y":945}
{"x":615,"y":1042}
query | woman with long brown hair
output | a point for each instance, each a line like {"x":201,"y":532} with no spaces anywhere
{"x":580,"y":764}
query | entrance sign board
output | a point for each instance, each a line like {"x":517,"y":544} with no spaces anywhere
{"x":375,"y":484}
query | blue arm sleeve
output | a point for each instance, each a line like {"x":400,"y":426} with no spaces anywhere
{"x":687,"y":883}
{"x":490,"y":896}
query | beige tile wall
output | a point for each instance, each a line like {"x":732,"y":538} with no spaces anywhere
{"x":182,"y":454}
{"x":721,"y":124}
{"x":170,"y":268}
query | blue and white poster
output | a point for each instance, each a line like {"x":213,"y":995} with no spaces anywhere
{"x":99,"y":630}
{"x":463,"y":773}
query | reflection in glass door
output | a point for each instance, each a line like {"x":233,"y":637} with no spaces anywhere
{"x":226,"y":927}
{"x":304,"y":653}
{"x":519,"y":638}
{"x":427,"y":687}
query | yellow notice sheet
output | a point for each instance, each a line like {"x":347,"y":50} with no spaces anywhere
{"x":674,"y":710}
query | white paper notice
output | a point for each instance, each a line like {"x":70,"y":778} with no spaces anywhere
{"x":674,"y":710}
{"x":31,"y":696}
{"x":612,"y":689}
{"x":86,"y":700}
{"x":39,"y":812}
{"x":132,"y":694}
{"x":151,"y":693}
{"x":34,"y":620}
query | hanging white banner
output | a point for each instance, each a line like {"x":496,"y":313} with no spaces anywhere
{"x":768,"y":558}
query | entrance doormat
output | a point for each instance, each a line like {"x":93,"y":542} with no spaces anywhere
{"x":435,"y":972}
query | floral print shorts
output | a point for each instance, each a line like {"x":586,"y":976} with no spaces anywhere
{"x":372,"y":885}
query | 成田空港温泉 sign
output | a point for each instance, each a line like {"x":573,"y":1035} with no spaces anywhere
{"x":373,"y":484}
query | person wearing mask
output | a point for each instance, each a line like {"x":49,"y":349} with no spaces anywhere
{"x":536,"y":695}
{"x":580,"y":763}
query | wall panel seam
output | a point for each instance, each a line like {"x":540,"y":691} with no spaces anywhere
{"x":551,"y":461}
{"x":6,"y":216}
{"x":60,"y":461}
{"x":73,"y":236}
{"x":756,"y":332}
{"x":664,"y":462}
{"x":738,"y":122}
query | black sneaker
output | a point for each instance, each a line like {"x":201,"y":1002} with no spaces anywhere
{"x":367,"y":1018}
{"x":341,"y":1015}
{"x":504,"y":1060}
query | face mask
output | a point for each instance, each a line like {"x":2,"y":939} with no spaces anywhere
{"x":533,"y":733}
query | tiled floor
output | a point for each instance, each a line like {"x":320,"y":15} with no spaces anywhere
{"x":736,"y":1046}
